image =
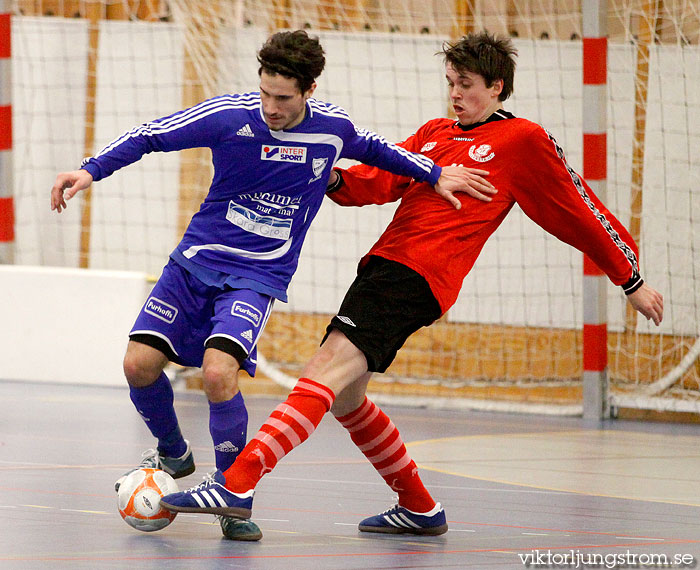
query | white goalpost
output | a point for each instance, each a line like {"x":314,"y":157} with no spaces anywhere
{"x":84,"y":71}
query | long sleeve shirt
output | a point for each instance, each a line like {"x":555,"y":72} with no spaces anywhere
{"x":267,"y":185}
{"x":527,"y":167}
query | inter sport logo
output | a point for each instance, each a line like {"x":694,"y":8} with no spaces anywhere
{"x":283,"y":153}
{"x":160,"y":309}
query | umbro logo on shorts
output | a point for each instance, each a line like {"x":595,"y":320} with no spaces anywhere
{"x":347,"y":321}
{"x":245,"y":131}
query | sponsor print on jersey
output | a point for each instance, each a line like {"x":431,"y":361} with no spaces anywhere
{"x":254,"y":223}
{"x":272,"y":200}
{"x":428,"y":146}
{"x":462,"y":139}
{"x":283,"y":153}
{"x":160,"y":309}
{"x":482,"y":153}
{"x":247,"y":312}
{"x":318,"y":165}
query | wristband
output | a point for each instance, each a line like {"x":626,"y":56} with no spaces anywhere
{"x":337,"y":184}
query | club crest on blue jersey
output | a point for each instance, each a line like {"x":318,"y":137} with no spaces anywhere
{"x":247,"y":312}
{"x":283,"y":153}
{"x":318,"y":165}
{"x":160,"y":309}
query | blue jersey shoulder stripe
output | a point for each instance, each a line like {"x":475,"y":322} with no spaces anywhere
{"x":327,"y":113}
{"x":227,"y":102}
{"x":422,"y":161}
{"x":216,"y":101}
{"x":328,"y":109}
{"x":325,"y":105}
{"x":176,"y":122}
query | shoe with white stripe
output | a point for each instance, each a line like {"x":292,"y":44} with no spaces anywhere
{"x":212,"y":497}
{"x":399,"y":520}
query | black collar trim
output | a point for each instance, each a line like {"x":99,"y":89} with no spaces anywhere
{"x":499,"y":115}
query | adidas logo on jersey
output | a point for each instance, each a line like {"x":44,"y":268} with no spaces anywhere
{"x":248,"y":335}
{"x":226,"y":447}
{"x":347,"y":321}
{"x":245,"y":131}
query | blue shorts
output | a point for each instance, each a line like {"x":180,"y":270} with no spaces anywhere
{"x":185,"y":313}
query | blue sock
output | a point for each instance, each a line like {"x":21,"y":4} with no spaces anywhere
{"x":155,"y":404}
{"x":228,"y":425}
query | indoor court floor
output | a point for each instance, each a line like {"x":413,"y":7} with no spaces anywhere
{"x":516,"y":489}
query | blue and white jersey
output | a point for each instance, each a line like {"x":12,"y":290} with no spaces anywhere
{"x":267,"y":186}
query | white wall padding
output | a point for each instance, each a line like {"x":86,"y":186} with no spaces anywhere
{"x":66,"y":325}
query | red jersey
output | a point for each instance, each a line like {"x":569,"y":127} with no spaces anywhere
{"x":526,"y":166}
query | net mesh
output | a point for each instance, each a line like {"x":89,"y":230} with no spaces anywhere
{"x":85,"y":71}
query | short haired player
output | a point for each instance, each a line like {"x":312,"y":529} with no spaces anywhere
{"x":273,"y":151}
{"x":413,"y":274}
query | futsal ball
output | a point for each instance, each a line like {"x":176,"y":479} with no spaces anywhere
{"x":139,"y":496}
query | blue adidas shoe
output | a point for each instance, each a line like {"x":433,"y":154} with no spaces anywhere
{"x":212,"y":497}
{"x":399,"y":520}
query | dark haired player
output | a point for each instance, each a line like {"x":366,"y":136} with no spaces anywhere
{"x":413,"y":274}
{"x":273,"y":152}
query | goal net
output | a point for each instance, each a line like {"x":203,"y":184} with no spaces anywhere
{"x":85,"y":71}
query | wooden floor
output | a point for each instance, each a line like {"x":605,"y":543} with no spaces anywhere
{"x":513,"y":487}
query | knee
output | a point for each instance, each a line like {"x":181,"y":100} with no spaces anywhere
{"x":139,"y":372}
{"x":220,"y":382}
{"x":346,"y":402}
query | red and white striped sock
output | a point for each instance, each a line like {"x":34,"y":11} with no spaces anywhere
{"x":290,"y":424}
{"x":377,"y":437}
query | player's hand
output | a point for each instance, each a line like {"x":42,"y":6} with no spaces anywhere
{"x":332,"y":179}
{"x":462,"y":179}
{"x":67,"y":185}
{"x":648,"y":302}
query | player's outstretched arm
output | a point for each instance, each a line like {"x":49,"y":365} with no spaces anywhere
{"x":648,"y":302}
{"x":67,"y":185}
{"x":462,"y":179}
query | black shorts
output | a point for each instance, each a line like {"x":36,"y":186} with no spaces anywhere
{"x":385,"y":305}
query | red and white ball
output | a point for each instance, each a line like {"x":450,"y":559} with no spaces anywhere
{"x":139,"y":496}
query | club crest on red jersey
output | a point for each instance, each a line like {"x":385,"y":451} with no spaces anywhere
{"x":481,"y":153}
{"x":428,"y":146}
